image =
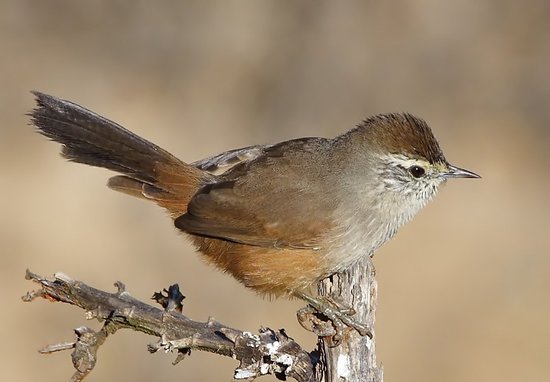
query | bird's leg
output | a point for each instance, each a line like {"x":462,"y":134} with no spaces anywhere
{"x":339,"y":317}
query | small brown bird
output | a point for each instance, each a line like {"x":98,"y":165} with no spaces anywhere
{"x":280,"y":217}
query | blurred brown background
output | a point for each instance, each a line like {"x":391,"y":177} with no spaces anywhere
{"x":464,"y":289}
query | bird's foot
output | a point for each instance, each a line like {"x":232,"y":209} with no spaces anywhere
{"x":326,"y":318}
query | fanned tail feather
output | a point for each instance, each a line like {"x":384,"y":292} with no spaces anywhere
{"x":148,"y":171}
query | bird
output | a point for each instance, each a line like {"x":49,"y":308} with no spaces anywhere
{"x":277,"y":217}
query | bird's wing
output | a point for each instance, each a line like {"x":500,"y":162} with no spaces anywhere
{"x":224,"y":162}
{"x":267,"y":201}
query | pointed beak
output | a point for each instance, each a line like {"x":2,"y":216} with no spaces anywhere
{"x":457,"y":172}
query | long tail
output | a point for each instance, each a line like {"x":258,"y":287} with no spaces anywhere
{"x":149,"y":172}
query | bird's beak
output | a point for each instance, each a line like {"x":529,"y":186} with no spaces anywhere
{"x":457,"y":172}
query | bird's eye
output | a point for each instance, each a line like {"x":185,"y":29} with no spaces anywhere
{"x":417,"y":171}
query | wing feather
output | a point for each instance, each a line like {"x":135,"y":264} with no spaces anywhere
{"x":264,"y":201}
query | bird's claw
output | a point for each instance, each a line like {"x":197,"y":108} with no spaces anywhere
{"x":326,"y":318}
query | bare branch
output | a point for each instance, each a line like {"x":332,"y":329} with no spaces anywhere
{"x":268,"y":352}
{"x":354,"y":359}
